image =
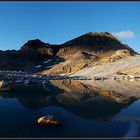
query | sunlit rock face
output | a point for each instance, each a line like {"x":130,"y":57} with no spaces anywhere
{"x":72,"y":63}
{"x":89,"y":49}
{"x":100,"y":100}
{"x":117,"y":55}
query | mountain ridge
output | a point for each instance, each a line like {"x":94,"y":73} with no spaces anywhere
{"x":35,"y":52}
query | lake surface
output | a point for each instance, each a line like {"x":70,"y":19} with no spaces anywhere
{"x":84,"y":108}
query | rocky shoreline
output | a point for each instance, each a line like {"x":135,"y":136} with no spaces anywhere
{"x":27,"y":79}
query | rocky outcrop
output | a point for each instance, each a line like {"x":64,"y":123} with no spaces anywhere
{"x":4,"y":87}
{"x":109,"y":69}
{"x":119,"y":54}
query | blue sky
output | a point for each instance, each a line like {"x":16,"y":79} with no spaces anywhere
{"x":58,"y":22}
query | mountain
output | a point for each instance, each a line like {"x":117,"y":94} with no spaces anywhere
{"x":69,"y":57}
{"x":39,"y":49}
{"x":95,"y":46}
{"x":32,"y":53}
{"x":93,"y":42}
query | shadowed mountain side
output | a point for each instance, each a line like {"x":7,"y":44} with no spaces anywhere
{"x":18,"y":61}
{"x":36,"y":49}
{"x":31,"y":54}
{"x":73,"y":96}
{"x":93,"y":42}
{"x":12,"y":60}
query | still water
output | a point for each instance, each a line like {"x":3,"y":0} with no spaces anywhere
{"x":84,"y":108}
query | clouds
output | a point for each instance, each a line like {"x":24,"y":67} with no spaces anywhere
{"x":124,"y":34}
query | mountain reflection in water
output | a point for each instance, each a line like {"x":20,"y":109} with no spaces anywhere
{"x":89,"y":100}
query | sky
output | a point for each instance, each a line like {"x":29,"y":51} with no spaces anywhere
{"x":58,"y":22}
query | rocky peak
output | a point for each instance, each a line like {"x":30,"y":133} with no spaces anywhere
{"x":93,"y":42}
{"x":36,"y":50}
{"x":94,"y":38}
{"x":34,"y":44}
{"x":98,"y":33}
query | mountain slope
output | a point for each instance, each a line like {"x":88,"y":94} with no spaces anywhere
{"x":93,"y":42}
{"x":69,"y":57}
{"x":74,"y":63}
{"x":108,"y":69}
{"x":100,"y":46}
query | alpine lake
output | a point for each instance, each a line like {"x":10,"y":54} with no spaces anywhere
{"x":85,"y":109}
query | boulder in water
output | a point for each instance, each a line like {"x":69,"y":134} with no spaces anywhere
{"x":48,"y":120}
{"x":6,"y":86}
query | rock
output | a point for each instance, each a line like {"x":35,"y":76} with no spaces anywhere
{"x":120,"y":73}
{"x":2,"y":84}
{"x":10,"y":85}
{"x":48,"y":120}
{"x":119,"y":54}
{"x":100,"y":78}
{"x":36,"y":49}
{"x":6,"y":86}
{"x":105,"y":60}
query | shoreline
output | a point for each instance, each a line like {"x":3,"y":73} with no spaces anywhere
{"x":18,"y":76}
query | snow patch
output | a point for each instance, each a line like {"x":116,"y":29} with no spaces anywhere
{"x":47,"y":61}
{"x":38,"y":66}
